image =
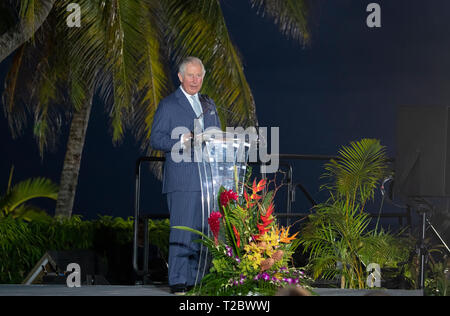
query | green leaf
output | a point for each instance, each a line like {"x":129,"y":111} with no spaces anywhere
{"x":27,"y":190}
{"x":192,"y":231}
{"x":289,"y":15}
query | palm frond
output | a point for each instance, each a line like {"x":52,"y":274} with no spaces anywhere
{"x":360,"y":167}
{"x":197,"y":28}
{"x":27,"y":190}
{"x":14,"y":111}
{"x":28,"y":11}
{"x":31,"y":14}
{"x":123,"y":46}
{"x":154,"y":82}
{"x":85,"y":51}
{"x":41,"y":69}
{"x":384,"y":248}
{"x":29,"y":213}
{"x":119,"y":53}
{"x":289,"y":15}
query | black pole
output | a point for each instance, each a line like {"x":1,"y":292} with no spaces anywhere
{"x":422,"y":251}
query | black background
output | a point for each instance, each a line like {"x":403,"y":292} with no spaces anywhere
{"x":346,"y":85}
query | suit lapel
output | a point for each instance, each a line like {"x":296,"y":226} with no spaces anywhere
{"x":208,"y":110}
{"x":184,"y":102}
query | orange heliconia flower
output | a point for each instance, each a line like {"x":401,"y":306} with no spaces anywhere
{"x":284,"y":236}
{"x":257,"y":188}
{"x":254,"y":196}
{"x":260,"y":186}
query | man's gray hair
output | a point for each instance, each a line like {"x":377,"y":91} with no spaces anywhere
{"x":190,"y":60}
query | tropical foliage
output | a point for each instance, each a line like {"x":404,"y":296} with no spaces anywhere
{"x":336,"y":236}
{"x":23,"y":243}
{"x":251,"y":253}
{"x":14,"y":202}
{"x":123,"y":53}
{"x":438,"y":280}
{"x":19,"y":20}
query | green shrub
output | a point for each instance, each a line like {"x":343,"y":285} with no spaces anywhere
{"x":19,"y":249}
{"x":23,"y":243}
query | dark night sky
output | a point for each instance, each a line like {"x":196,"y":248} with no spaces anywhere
{"x":346,"y":85}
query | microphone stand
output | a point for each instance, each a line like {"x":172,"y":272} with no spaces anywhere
{"x":423,"y":208}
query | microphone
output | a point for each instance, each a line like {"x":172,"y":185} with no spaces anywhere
{"x":231,"y":112}
{"x":382,"y":188}
{"x":206,"y":99}
{"x":203,"y":100}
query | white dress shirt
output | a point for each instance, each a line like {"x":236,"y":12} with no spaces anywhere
{"x":191,"y":102}
{"x":189,"y":97}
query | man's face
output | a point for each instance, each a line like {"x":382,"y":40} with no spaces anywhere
{"x":192,"y":79}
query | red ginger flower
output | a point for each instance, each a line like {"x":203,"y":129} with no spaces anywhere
{"x":226,"y":196}
{"x":214,"y":225}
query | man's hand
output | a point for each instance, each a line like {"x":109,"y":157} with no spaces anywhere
{"x":186,"y":139}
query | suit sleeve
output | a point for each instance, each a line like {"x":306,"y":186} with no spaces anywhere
{"x":217,"y":118}
{"x":212,"y":106}
{"x":160,"y":138}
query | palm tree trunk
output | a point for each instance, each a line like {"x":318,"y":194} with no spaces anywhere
{"x":72,"y":161}
{"x":21,"y":32}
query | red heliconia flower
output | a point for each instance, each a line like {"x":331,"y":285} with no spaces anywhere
{"x":257,"y":188}
{"x":262,"y":230}
{"x":238,"y":237}
{"x":260,"y":186}
{"x":267,"y":219}
{"x":226,"y":196}
{"x":214,"y":225}
{"x":248,"y":200}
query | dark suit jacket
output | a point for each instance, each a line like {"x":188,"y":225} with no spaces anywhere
{"x":176,"y":111}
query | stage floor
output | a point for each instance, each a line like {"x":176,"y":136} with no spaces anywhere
{"x":151,"y":290}
{"x":94,"y":290}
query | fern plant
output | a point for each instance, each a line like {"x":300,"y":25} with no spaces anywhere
{"x":336,"y":235}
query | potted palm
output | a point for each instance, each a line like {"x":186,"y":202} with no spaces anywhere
{"x":336,"y":235}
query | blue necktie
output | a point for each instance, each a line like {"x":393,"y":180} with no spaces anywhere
{"x":197,"y":109}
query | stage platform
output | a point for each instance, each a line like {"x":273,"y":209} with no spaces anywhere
{"x":151,"y":290}
{"x":93,"y":290}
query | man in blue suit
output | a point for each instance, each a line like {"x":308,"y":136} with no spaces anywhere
{"x":181,"y":180}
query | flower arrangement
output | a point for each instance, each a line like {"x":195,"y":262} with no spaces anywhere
{"x":251,"y":253}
